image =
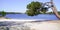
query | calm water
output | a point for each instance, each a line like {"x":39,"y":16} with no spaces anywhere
{"x":40,"y":16}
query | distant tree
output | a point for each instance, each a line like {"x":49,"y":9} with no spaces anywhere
{"x":3,"y":13}
{"x":33,"y":8}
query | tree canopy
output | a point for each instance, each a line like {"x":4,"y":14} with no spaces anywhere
{"x":32,"y":8}
{"x":3,"y":13}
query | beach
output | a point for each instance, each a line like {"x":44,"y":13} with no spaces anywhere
{"x":29,"y":15}
{"x":32,"y":24}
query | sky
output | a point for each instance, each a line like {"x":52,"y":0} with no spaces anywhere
{"x":20,"y":5}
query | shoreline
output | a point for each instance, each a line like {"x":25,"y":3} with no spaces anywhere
{"x":14,"y":24}
{"x":32,"y":20}
{"x":41,"y":20}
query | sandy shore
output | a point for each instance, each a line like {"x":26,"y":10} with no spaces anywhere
{"x":46,"y":25}
{"x":38,"y":25}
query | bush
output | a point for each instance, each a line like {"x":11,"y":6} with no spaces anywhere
{"x":3,"y":13}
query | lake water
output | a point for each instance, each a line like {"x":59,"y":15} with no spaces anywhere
{"x":40,"y":16}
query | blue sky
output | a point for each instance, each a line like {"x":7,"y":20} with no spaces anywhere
{"x":20,"y":5}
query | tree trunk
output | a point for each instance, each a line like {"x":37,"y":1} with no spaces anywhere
{"x":55,"y":12}
{"x":54,"y":9}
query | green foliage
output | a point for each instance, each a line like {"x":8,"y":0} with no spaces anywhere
{"x":37,"y":12}
{"x":32,"y":8}
{"x":30,"y":12}
{"x":34,"y":5}
{"x":44,"y":10}
{"x":3,"y":13}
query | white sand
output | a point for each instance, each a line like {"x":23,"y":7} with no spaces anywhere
{"x":46,"y":25}
{"x":16,"y":20}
